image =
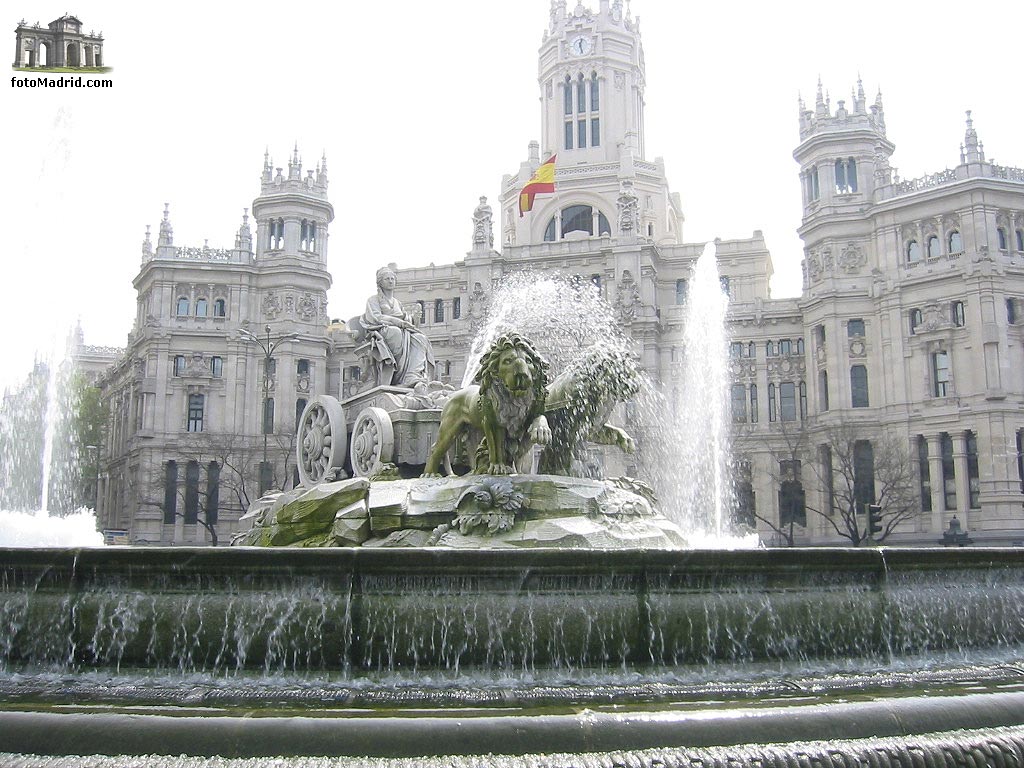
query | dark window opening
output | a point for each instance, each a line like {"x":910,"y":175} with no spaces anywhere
{"x":456,"y":308}
{"x":948,"y":472}
{"x":957,"y":311}
{"x":925,"y":473}
{"x":973,"y":481}
{"x":268,"y":416}
{"x":787,"y":401}
{"x":863,"y":474}
{"x":170,"y":492}
{"x":739,"y":403}
{"x":859,"y":386}
{"x":956,"y":242}
{"x":195,"y":413}
{"x":855,"y":328}
{"x":212,"y":492}
{"x":191,"y":493}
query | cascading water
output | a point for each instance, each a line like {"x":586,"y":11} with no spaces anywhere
{"x":41,"y":496}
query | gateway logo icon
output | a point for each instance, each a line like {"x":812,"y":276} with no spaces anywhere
{"x":60,"y":46}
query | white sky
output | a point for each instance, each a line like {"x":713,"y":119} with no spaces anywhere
{"x":421,"y":107}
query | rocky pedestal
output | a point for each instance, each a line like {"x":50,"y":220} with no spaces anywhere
{"x":474,"y":511}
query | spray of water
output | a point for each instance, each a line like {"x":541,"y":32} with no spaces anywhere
{"x":682,"y":431}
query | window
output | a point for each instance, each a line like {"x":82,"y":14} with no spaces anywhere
{"x":753,"y":403}
{"x":785,"y":346}
{"x":823,"y":390}
{"x":736,"y":349}
{"x":1020,"y":458}
{"x":940,"y":375}
{"x":577,"y":218}
{"x":825,"y":457}
{"x":803,"y":399}
{"x":191,"y":493}
{"x":276,"y":232}
{"x":863,"y":474}
{"x":581,"y":133}
{"x":799,"y":346}
{"x":595,"y":131}
{"x":456,"y":308}
{"x":170,"y":492}
{"x":680,"y":292}
{"x":300,"y":406}
{"x":855,"y":328}
{"x":302,"y":367}
{"x":859,"y":386}
{"x":212,"y":492}
{"x":934,"y":249}
{"x":771,"y":349}
{"x":724,"y":283}
{"x":846,"y":176}
{"x":216,"y":367}
{"x":914,"y":320}
{"x":792,"y":508}
{"x":925,"y":474}
{"x":182,"y":308}
{"x":595,"y":93}
{"x":220,"y":308}
{"x":1001,"y":236}
{"x":423,"y":312}
{"x":773,"y":415}
{"x":744,"y":492}
{"x":268,"y":416}
{"x":810,"y":185}
{"x":567,"y":96}
{"x":819,"y":335}
{"x":568,"y":134}
{"x":596,"y":280}
{"x":581,"y":94}
{"x":956,"y":242}
{"x":179,"y":365}
{"x":948,"y":472}
{"x":1020,"y":239}
{"x":266,"y":471}
{"x":438,"y":310}
{"x":1011,"y":312}
{"x":913,"y":252}
{"x":957,"y":313}
{"x":307,"y":235}
{"x":195,"y":413}
{"x":973,"y":483}
{"x":201,"y":307}
{"x":787,"y":401}
{"x":739,"y":403}
{"x":751,"y":350}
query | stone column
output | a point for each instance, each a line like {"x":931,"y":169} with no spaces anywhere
{"x":935,"y":476}
{"x":963,"y":490}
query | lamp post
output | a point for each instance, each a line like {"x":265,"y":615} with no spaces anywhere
{"x":268,"y":346}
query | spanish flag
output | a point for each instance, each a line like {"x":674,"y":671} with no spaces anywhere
{"x":543,"y":181}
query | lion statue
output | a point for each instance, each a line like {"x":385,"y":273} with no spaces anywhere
{"x":502,"y":412}
{"x":579,"y":402}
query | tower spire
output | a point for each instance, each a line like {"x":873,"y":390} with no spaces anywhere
{"x":166,"y":236}
{"x":973,"y":151}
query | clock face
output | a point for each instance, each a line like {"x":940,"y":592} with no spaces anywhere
{"x":580,"y":46}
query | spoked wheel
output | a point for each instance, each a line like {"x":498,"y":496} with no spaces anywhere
{"x":320,"y":444}
{"x":373,"y":441}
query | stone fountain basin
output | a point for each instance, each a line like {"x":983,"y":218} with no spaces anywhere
{"x":457,"y":615}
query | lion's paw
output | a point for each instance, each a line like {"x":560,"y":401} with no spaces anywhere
{"x":540,"y":433}
{"x":499,"y":469}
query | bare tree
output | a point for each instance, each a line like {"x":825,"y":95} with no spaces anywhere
{"x":854,"y":466}
{"x":858,"y":467}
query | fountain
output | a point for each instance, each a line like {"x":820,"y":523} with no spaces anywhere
{"x":429,"y":633}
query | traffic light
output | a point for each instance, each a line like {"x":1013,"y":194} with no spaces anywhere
{"x":874,"y":519}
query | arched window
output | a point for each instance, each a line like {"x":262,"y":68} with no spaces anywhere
{"x":182,"y":308}
{"x":799,"y":346}
{"x":567,"y":95}
{"x":220,"y":308}
{"x":576,"y":218}
{"x":859,"y":386}
{"x":201,"y":305}
{"x":913,"y":252}
{"x":773,"y":414}
{"x":823,"y":390}
{"x":934,"y":250}
{"x":770,"y":350}
{"x":753,"y":403}
{"x":439,"y":310}
{"x":751,"y":350}
{"x":1001,"y":235}
{"x":785,"y":346}
{"x":739,"y":403}
{"x":1020,"y":239}
{"x":595,"y":105}
{"x":956,"y":242}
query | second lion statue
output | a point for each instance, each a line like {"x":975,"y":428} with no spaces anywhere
{"x":503,"y":411}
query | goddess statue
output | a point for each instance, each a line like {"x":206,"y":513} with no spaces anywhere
{"x":401,"y":353}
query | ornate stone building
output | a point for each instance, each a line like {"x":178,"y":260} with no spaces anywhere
{"x":199,"y":422}
{"x":907,"y":327}
{"x":61,"y":43}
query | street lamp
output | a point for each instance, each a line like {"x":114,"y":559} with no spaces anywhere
{"x":268,"y":346}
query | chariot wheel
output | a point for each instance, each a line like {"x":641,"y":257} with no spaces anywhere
{"x":373,"y":441}
{"x":320,"y":444}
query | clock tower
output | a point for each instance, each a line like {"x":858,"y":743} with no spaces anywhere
{"x":591,"y":78}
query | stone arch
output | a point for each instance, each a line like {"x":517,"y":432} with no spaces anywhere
{"x":43,"y":54}
{"x":71,"y":55}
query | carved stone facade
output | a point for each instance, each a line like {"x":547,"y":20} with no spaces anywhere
{"x":61,"y":43}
